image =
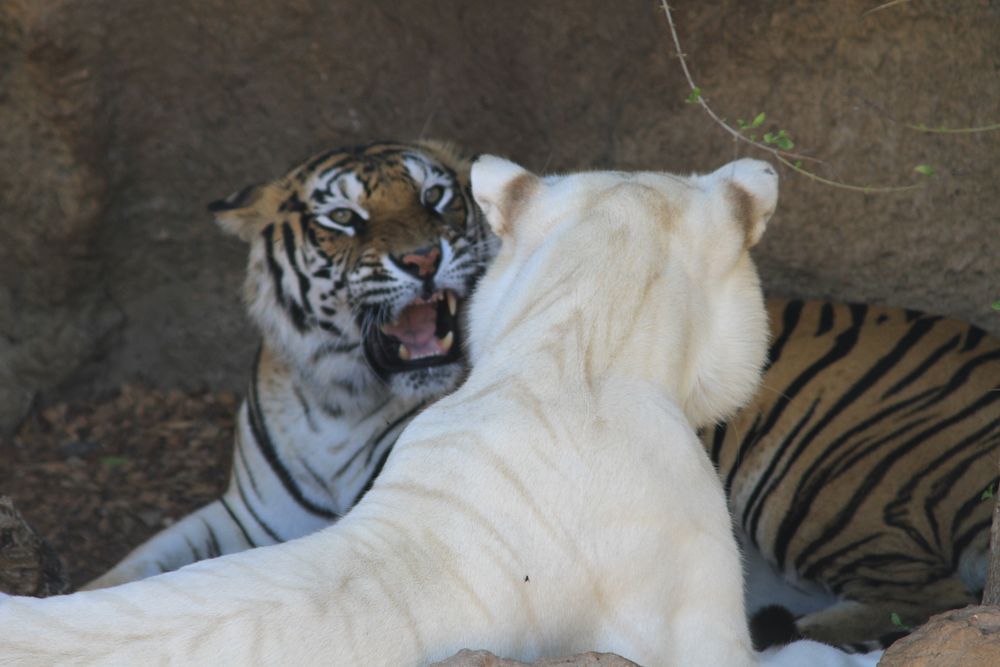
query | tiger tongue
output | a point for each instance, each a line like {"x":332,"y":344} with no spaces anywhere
{"x":415,"y":329}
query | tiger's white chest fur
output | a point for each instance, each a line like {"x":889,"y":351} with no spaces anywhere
{"x":559,"y":501}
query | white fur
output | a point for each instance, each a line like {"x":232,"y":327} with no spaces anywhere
{"x":559,"y":501}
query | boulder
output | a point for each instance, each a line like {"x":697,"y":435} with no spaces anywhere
{"x":469,"y":658}
{"x":28,"y":565}
{"x":968,"y":637}
{"x":123,"y":119}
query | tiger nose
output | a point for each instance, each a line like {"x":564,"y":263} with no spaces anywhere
{"x":421,"y":263}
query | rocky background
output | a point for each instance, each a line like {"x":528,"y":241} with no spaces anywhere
{"x":120,"y":120}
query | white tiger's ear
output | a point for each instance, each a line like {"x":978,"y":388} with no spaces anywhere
{"x":501,"y":188}
{"x":751,"y":189}
{"x":245,"y":212}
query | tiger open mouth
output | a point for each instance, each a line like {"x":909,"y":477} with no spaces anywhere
{"x":424,"y":334}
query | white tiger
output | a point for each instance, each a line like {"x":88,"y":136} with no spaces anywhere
{"x":558,"y":501}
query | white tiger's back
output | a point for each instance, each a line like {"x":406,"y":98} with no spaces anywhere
{"x":559,"y":501}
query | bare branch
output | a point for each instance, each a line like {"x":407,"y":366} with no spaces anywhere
{"x":781,"y":155}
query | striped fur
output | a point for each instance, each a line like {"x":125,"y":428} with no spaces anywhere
{"x":321,"y":414}
{"x":858,"y":470}
{"x":558,"y":501}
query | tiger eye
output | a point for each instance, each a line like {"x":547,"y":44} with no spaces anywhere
{"x":342,"y":216}
{"x":433,"y":195}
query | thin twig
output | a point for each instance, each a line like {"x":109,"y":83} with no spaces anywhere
{"x":780,"y":155}
{"x":704,"y":105}
{"x":868,"y":189}
{"x":884,"y":5}
{"x":920,"y":127}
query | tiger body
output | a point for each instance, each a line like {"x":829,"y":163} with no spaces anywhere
{"x":558,"y":501}
{"x":859,"y":468}
{"x":354,"y":254}
{"x":320,"y":418}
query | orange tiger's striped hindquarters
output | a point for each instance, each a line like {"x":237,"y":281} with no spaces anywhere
{"x":862,"y":463}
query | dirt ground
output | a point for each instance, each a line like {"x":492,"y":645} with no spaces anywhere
{"x":96,"y":478}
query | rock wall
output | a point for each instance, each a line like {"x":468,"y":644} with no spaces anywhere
{"x":121,"y":120}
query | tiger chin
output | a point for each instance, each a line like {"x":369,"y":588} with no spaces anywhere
{"x":361,"y":260}
{"x":559,"y":501}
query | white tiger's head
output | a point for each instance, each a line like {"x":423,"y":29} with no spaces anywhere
{"x":360,"y":261}
{"x":656,"y":252}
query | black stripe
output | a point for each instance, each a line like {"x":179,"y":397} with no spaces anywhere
{"x":194,"y":550}
{"x":371,"y":478}
{"x":789,"y":321}
{"x":843,"y":344}
{"x":966,"y":512}
{"x":806,"y":490}
{"x":317,"y":478}
{"x":256,"y":517}
{"x":960,"y":377}
{"x":246,"y":466}
{"x":822,"y":563}
{"x":865,"y":446}
{"x":214,"y":549}
{"x":749,"y":440}
{"x":883,"y":561}
{"x":752,"y":512}
{"x":373,"y":444}
{"x":376,"y":292}
{"x":825,"y":319}
{"x":973,"y":338}
{"x":388,"y":429}
{"x":944,"y":484}
{"x":264,"y":443}
{"x":378,"y":276}
{"x":272,"y":264}
{"x":718,"y":438}
{"x":239,"y":524}
{"x":922,"y":368}
{"x":288,"y":237}
{"x":306,"y":410}
{"x":875,"y":477}
{"x":334,"y":329}
{"x":298,"y":316}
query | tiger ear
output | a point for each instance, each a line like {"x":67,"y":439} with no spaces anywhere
{"x":245,"y":212}
{"x":501,"y":188}
{"x":751,"y":189}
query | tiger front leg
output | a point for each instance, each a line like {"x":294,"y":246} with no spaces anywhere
{"x":881,"y":621}
{"x":211,"y":531}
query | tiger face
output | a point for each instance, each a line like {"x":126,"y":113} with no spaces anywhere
{"x":360,"y":261}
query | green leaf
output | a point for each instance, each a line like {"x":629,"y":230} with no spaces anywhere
{"x":758,"y":120}
{"x":924,"y":169}
{"x":798,"y":164}
{"x":987,"y":493}
{"x":785,"y":143}
{"x":996,"y":305}
{"x":695,"y":96}
{"x":769,"y":138}
{"x":896,"y":620}
{"x":112,"y":461}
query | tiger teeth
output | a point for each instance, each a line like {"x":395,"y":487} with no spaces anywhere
{"x":404,"y":353}
{"x":452,"y":304}
{"x":447,"y":341}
